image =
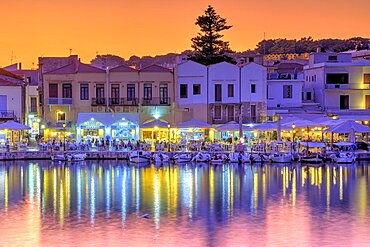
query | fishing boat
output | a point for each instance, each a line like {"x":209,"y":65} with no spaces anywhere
{"x":160,"y":157}
{"x":343,"y":158}
{"x":280,"y":158}
{"x":61,"y":157}
{"x":78,"y":157}
{"x":202,"y":157}
{"x":238,"y":157}
{"x":139,"y":156}
{"x":259,"y":158}
{"x":219,"y":158}
{"x":311,"y":159}
{"x":182,"y":158}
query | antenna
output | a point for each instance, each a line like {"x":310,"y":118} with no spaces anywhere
{"x":70,"y":51}
{"x":264,"y":43}
{"x":11,"y":58}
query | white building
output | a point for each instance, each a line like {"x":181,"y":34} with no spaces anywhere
{"x":219,"y":92}
{"x":340,"y":85}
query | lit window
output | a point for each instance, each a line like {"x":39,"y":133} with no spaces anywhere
{"x":61,"y":116}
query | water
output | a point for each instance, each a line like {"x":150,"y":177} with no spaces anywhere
{"x":103,"y":203}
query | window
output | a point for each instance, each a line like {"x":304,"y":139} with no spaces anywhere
{"x":67,"y":91}
{"x":253,"y":88}
{"x":100,"y":95}
{"x":61,"y":116}
{"x":337,"y":78}
{"x":163,"y":94}
{"x":332,"y":58}
{"x":344,"y":102}
{"x":53,"y":90}
{"x":84,"y":91}
{"x":287,"y":91}
{"x":196,"y":89}
{"x":366,"y":78}
{"x":183,"y":91}
{"x":253,"y":113}
{"x":218,"y":92}
{"x":308,"y":96}
{"x":147,"y":91}
{"x":115,"y":94}
{"x":217,"y":112}
{"x":33,"y":107}
{"x":230,"y":90}
{"x":130,"y":92}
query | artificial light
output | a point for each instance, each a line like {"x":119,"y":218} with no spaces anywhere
{"x":293,"y":126}
{"x":156,"y":128}
{"x":156,"y":115}
{"x":366,"y":122}
{"x":42,"y":126}
{"x":168,"y":126}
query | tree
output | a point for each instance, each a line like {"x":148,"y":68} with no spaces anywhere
{"x":305,"y":45}
{"x":104,"y":61}
{"x":264,"y":46}
{"x":208,"y":46}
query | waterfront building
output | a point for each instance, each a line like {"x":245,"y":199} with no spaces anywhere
{"x":32,"y":108}
{"x":86,"y":102}
{"x":339,"y":84}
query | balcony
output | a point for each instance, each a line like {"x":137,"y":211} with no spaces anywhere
{"x":285,"y":76}
{"x":123,"y":101}
{"x":156,"y":101}
{"x":98,"y":101}
{"x":6,"y":115}
{"x":60,"y":101}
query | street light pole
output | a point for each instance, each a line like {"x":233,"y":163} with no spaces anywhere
{"x":293,"y":129}
{"x":64,"y":137}
{"x":169,"y":136}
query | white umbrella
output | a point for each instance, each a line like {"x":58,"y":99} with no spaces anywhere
{"x":194,"y":124}
{"x":346,"y":128}
{"x":230,"y":126}
{"x":12,"y":125}
{"x":352,"y":136}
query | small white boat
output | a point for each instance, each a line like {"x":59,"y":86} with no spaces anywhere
{"x":280,"y":158}
{"x":78,"y":157}
{"x":311,"y":159}
{"x":139,"y":156}
{"x":201,"y":157}
{"x":160,"y":157}
{"x":239,"y":158}
{"x":344,"y":158}
{"x":61,"y":157}
{"x":219,"y":158}
{"x":181,"y":158}
{"x":259,"y":158}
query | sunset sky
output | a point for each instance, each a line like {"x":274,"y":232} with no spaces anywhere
{"x":33,"y":28}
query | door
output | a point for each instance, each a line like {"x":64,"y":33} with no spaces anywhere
{"x":344,"y":102}
{"x":218,"y":92}
{"x":100,"y":99}
{"x":367,"y":101}
{"x":115,"y":94}
{"x":230,"y":113}
{"x":253,"y":113}
{"x":163,"y":94}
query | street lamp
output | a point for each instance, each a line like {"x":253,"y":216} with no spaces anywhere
{"x":64,"y":136}
{"x":293,"y":128}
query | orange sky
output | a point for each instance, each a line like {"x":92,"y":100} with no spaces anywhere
{"x":33,"y":28}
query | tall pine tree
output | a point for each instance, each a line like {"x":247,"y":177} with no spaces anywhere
{"x":209,"y":48}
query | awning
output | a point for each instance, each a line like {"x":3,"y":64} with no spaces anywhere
{"x":194,"y":124}
{"x":312,"y":144}
{"x":348,"y":126}
{"x":107,"y":118}
{"x":12,"y":125}
{"x":355,"y":117}
{"x":154,"y":123}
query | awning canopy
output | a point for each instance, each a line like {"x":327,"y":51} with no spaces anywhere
{"x":230,"y":126}
{"x":154,"y":123}
{"x":12,"y":125}
{"x":312,"y":144}
{"x":106,"y":118}
{"x":194,"y":124}
{"x":348,"y":126}
{"x":269,"y":126}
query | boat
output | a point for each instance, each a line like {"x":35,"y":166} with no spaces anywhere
{"x":219,"y":159}
{"x":139,"y":156}
{"x":61,"y":158}
{"x":344,"y":158}
{"x":311,"y":159}
{"x":280,"y":158}
{"x":78,"y":157}
{"x":201,"y":157}
{"x":259,"y":158}
{"x":181,"y":158}
{"x":238,"y":157}
{"x":160,"y":157}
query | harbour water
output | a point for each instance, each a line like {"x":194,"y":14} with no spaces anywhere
{"x":111,"y":203}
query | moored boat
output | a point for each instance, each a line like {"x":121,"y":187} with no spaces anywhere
{"x":280,"y":158}
{"x":202,"y":157}
{"x":160,"y":157}
{"x":238,"y":157}
{"x":219,"y":158}
{"x":139,"y":156}
{"x":182,"y":158}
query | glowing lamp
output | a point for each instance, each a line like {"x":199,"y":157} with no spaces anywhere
{"x":242,"y":140}
{"x":156,"y":128}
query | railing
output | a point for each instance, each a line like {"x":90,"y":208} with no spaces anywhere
{"x":355,"y":86}
{"x":156,"y":101}
{"x":7,"y":115}
{"x":123,"y":101}
{"x":284,"y":76}
{"x":60,"y":101}
{"x":98,"y":101}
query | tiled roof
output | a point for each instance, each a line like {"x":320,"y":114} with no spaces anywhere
{"x":76,"y":68}
{"x":8,"y":83}
{"x":123,"y":68}
{"x":9,"y":74}
{"x":155,"y":68}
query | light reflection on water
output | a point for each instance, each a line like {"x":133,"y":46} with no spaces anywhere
{"x":102,"y":203}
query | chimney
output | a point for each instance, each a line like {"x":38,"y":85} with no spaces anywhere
{"x":318,"y":50}
{"x":19,"y":66}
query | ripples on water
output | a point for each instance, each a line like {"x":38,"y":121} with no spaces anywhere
{"x":103,"y":203}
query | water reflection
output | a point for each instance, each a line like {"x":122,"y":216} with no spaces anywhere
{"x":265,"y":201}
